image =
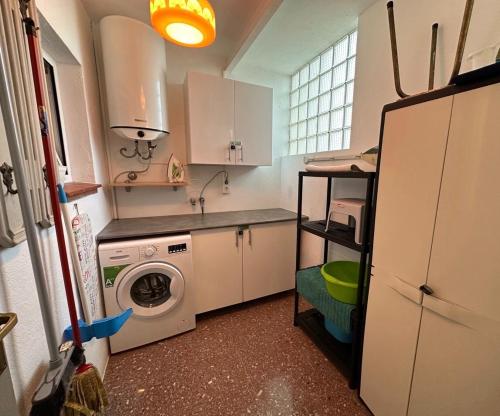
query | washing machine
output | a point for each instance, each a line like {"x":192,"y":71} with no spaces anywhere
{"x":154,"y":277}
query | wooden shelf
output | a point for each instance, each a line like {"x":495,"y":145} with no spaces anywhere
{"x":75,"y":190}
{"x":149,"y":184}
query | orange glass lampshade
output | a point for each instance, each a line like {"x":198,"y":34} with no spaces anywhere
{"x":188,"y":23}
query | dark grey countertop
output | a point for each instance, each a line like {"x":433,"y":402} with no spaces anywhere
{"x":176,"y":224}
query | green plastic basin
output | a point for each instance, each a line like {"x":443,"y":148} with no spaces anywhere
{"x":341,"y":279}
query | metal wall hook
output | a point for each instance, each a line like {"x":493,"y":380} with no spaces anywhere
{"x":7,"y":172}
{"x":8,"y":178}
{"x":45,"y":177}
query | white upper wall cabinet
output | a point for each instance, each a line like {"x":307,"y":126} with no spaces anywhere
{"x":227,"y":122}
{"x":253,"y":124}
{"x":209,"y":119}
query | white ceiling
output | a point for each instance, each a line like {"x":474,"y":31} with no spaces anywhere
{"x":299,"y":30}
{"x":235,"y":19}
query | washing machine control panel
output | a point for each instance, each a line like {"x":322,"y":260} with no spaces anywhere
{"x":177,"y":248}
{"x":149,"y":251}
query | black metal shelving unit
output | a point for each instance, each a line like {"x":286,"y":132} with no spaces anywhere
{"x":346,"y":357}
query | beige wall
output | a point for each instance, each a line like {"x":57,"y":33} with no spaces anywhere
{"x":374,"y":78}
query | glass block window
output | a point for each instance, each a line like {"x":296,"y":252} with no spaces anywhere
{"x":321,"y":100}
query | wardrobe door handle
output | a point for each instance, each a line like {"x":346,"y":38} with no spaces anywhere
{"x":249,"y":236}
{"x":426,"y":289}
{"x":237,"y":233}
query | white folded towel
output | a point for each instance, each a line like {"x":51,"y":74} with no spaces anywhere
{"x":354,"y":165}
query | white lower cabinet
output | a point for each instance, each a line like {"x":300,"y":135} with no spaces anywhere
{"x":237,"y":264}
{"x":217,"y":268}
{"x":268,"y":259}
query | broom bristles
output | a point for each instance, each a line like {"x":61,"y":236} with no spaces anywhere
{"x":86,"y":395}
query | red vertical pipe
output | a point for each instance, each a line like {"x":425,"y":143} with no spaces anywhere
{"x":51,"y":176}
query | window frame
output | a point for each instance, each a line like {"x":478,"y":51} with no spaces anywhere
{"x":304,"y":126}
{"x":58,"y":123}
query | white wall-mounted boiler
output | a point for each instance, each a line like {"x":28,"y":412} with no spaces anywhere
{"x":135,"y":66}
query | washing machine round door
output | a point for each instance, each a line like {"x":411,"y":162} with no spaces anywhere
{"x":150,"y":289}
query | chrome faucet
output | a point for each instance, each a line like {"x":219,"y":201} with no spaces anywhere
{"x":201,"y":198}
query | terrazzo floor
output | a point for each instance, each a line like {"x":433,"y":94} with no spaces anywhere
{"x":248,"y":360}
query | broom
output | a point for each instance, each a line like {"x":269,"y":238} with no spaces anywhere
{"x":86,"y":388}
{"x":86,"y":394}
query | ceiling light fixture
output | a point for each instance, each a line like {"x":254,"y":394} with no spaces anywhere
{"x":188,"y":23}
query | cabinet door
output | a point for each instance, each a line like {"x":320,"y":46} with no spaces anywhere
{"x":253,"y":125}
{"x":268,"y":259}
{"x":391,"y":333}
{"x":412,"y":158}
{"x":209,"y":119}
{"x":217,"y":257}
{"x":457,"y":371}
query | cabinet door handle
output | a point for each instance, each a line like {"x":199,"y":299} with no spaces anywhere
{"x":249,"y":236}
{"x":237,"y":233}
{"x":241,"y":153}
{"x":229,"y":152}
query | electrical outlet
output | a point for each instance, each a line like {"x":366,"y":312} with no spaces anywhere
{"x":226,"y":187}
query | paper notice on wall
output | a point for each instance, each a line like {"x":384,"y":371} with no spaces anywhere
{"x":87,"y":255}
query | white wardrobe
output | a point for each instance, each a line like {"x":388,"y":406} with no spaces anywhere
{"x":434,"y":350}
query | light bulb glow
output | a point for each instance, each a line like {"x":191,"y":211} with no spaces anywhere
{"x":188,"y":23}
{"x":184,"y":33}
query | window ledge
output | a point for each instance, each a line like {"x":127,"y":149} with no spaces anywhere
{"x":75,"y":190}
